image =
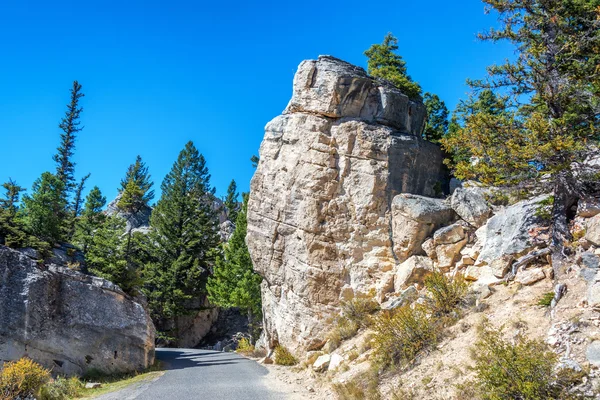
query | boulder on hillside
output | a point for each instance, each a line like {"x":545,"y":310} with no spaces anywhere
{"x":471,"y":206}
{"x":448,"y":242}
{"x":509,"y":233}
{"x":588,"y":208}
{"x":70,"y":322}
{"x":412,"y":271}
{"x":414,"y":218}
{"x":319,"y":212}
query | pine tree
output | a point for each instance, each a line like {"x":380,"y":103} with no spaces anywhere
{"x":76,"y":209}
{"x":105,"y":255}
{"x":550,"y":117}
{"x":437,"y":118}
{"x":383,"y":62}
{"x":44,"y":209}
{"x":91,"y":219}
{"x":138,"y":173}
{"x":234,"y":282}
{"x":185,"y":235}
{"x":70,"y":125}
{"x":231,"y":201}
{"x":254,"y":160}
{"x":12,"y":230}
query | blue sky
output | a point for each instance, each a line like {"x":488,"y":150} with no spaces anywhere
{"x":159,"y":73}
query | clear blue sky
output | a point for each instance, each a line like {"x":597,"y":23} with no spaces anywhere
{"x":159,"y":73}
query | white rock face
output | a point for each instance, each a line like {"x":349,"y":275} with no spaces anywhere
{"x":471,"y":206}
{"x":319,"y":214}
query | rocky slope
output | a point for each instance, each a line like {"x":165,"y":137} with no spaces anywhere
{"x":68,"y":321}
{"x":320,"y":212}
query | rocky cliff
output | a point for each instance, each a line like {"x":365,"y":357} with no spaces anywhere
{"x":68,"y":321}
{"x":320,"y":210}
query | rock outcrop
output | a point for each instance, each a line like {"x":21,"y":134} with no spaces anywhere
{"x":320,"y":208}
{"x":68,"y":321}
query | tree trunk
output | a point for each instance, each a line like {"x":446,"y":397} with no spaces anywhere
{"x":564,"y":198}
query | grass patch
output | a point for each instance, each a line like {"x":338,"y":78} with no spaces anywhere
{"x":445,"y":295}
{"x":363,"y":387}
{"x":546,"y":299}
{"x":115,"y":383}
{"x":245,"y":347}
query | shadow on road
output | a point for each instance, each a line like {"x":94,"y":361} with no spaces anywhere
{"x":175,"y":359}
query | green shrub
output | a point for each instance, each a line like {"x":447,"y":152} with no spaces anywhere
{"x":284,"y":357}
{"x":22,"y":378}
{"x":401,"y":334}
{"x":359,"y":310}
{"x":546,"y":299}
{"x":523,"y":369}
{"x":61,"y":389}
{"x":245,"y":347}
{"x":445,"y":294}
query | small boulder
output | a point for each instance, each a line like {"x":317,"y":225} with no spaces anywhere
{"x":414,"y":270}
{"x":266,"y":360}
{"x":322,"y":363}
{"x":384,"y":286}
{"x":588,"y":208}
{"x":93,"y":385}
{"x":449,"y":234}
{"x":471,"y":206}
{"x":336,"y":361}
{"x":592,"y":353}
{"x":501,"y":266}
{"x":448,"y":242}
{"x":592,"y":233}
{"x":530,"y":276}
{"x":593,"y":294}
{"x":590,"y":260}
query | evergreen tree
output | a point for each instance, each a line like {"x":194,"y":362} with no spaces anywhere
{"x":44,"y":209}
{"x":138,"y":173}
{"x":231,"y":201}
{"x":437,"y":118}
{"x":185,"y":236}
{"x":136,"y":193}
{"x":12,"y":230}
{"x":383,"y":62}
{"x":254,"y":160}
{"x":77,"y":203}
{"x":70,"y":125}
{"x":234,"y":282}
{"x":91,"y":219}
{"x":543,"y":135}
{"x":105,"y":256}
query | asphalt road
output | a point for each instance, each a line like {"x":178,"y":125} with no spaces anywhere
{"x":201,"y":374}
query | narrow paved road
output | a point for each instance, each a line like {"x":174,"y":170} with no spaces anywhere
{"x":201,"y":374}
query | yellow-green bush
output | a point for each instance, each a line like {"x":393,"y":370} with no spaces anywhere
{"x":445,"y":294}
{"x":520,"y":369}
{"x":245,"y":347}
{"x":401,"y":334}
{"x":363,"y":387}
{"x":284,"y":357}
{"x":546,"y":299}
{"x":359,"y":310}
{"x":61,"y":389}
{"x":22,"y":378}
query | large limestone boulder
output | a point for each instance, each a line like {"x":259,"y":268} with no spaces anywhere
{"x":508,"y":234}
{"x":319,"y":214}
{"x":413,"y":271}
{"x":448,"y":242}
{"x":414,"y":218}
{"x":70,"y":322}
{"x":470,"y":205}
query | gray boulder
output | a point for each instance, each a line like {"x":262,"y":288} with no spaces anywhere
{"x":139,"y":220}
{"x":471,"y":206}
{"x":588,"y":208}
{"x":70,"y":322}
{"x":508,"y":233}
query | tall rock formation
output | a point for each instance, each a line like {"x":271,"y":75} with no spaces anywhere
{"x":68,"y":321}
{"x":319,"y":214}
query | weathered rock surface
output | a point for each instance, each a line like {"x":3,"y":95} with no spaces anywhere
{"x":414,"y":219}
{"x":508,"y":233}
{"x":471,"y":206}
{"x":592,"y":233}
{"x":137,"y":221}
{"x":319,"y":214}
{"x":68,"y":321}
{"x":412,"y":271}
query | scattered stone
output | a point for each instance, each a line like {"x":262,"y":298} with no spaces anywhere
{"x":322,"y":363}
{"x":93,"y":385}
{"x":592,"y":353}
{"x":593,"y":294}
{"x":501,"y":266}
{"x":384,"y":286}
{"x":472,"y":273}
{"x":266,"y":360}
{"x":471,"y":206}
{"x":449,"y":234}
{"x":590,"y":260}
{"x":414,"y":270}
{"x":530,"y":276}
{"x":467,"y":260}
